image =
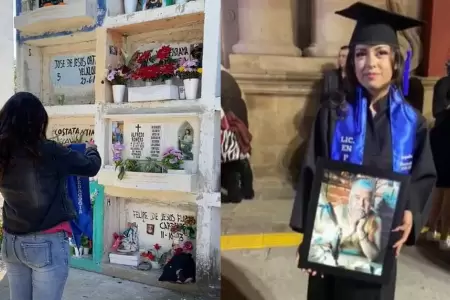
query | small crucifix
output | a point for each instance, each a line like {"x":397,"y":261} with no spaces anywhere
{"x":138,"y":127}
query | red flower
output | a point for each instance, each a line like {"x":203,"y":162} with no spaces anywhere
{"x":167,"y":69}
{"x":148,"y":73}
{"x":157,"y":247}
{"x":164,"y":52}
{"x":143,"y":57}
{"x":188,"y":246}
{"x":150,"y":256}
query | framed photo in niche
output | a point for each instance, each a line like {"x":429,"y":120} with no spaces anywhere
{"x":351,"y":214}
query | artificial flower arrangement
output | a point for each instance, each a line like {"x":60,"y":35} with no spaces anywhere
{"x":155,"y":66}
{"x":119,"y":75}
{"x":188,"y":69}
{"x":172,"y":159}
{"x":149,"y":165}
{"x":153,"y":255}
{"x":188,"y":227}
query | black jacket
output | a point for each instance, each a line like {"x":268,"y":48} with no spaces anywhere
{"x":34,"y":191}
{"x":332,"y":82}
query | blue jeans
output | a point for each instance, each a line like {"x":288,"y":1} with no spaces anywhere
{"x":37,"y":265}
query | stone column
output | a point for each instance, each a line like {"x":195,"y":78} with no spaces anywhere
{"x":7,"y":42}
{"x":329,"y":31}
{"x":435,"y":37}
{"x":266,"y":27}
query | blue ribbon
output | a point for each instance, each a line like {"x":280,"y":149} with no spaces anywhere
{"x":349,"y":136}
{"x":406,"y":71}
{"x":78,"y":192}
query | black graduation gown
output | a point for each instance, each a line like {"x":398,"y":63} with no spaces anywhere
{"x":377,"y":152}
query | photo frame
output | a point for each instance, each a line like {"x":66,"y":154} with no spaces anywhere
{"x":351,"y":214}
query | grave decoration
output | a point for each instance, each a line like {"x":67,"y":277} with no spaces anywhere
{"x":124,"y":250}
{"x":187,"y":227}
{"x":118,"y":78}
{"x":172,"y":160}
{"x":156,"y":68}
{"x":190,"y":72}
{"x":153,"y":257}
{"x":44,"y":3}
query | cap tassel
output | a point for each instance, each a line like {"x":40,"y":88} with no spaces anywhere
{"x":406,"y":71}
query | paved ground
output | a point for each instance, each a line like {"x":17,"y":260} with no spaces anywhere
{"x":86,"y":285}
{"x":256,"y":216}
{"x":271,"y":274}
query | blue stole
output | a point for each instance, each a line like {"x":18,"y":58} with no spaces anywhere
{"x":78,"y":192}
{"x":350,"y":133}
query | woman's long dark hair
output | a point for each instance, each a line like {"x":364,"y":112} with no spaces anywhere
{"x":351,"y":82}
{"x":23,"y":125}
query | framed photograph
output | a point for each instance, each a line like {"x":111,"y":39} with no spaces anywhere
{"x":151,"y":229}
{"x":352,"y":212}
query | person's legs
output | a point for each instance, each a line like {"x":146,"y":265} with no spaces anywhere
{"x":48,"y":257}
{"x":19,"y":275}
{"x":246,"y":175}
{"x":435,"y":213}
{"x":434,"y":217}
{"x":445,"y":220}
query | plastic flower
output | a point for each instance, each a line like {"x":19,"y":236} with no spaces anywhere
{"x":188,"y":246}
{"x":112,"y":75}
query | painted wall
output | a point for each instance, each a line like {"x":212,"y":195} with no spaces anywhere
{"x":100,"y":16}
{"x":59,"y":74}
{"x":70,"y":128}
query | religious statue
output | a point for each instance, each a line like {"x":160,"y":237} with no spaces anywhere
{"x":130,"y":241}
{"x":185,"y":144}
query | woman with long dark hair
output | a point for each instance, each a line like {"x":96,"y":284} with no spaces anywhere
{"x":36,"y":209}
{"x":371,"y":124}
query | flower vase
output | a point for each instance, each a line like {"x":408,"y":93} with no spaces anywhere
{"x":85,"y":251}
{"x":168,"y":81}
{"x":130,"y":6}
{"x":155,"y":265}
{"x":118,"y":93}
{"x":191,"y":88}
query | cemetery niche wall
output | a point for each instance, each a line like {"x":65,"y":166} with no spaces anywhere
{"x":147,"y":235}
{"x":163,"y":61}
{"x":153,"y":153}
{"x":71,"y":130}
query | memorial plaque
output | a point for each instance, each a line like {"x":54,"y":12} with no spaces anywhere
{"x":73,"y":70}
{"x":155,"y":140}
{"x":67,"y":133}
{"x":137,"y":142}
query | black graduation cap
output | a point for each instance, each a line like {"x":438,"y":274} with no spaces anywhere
{"x":375,"y":25}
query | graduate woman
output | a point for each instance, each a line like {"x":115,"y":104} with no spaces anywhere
{"x":385,"y":131}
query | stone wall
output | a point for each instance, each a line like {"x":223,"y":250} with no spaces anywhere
{"x":277,"y":97}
